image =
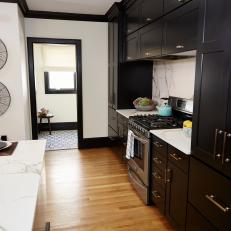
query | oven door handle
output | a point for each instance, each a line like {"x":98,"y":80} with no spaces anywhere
{"x":144,"y":141}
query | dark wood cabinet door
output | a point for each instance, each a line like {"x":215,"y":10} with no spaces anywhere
{"x":176,"y":196}
{"x":209,"y":139}
{"x":209,"y":193}
{"x":170,"y":5}
{"x":133,"y":21}
{"x":196,"y":222}
{"x":112,"y":119}
{"x":150,"y":38}
{"x":132,"y":47}
{"x":181,"y":29}
{"x":151,"y":10}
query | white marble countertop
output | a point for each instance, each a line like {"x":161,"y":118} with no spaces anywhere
{"x":133,"y":112}
{"x":19,"y":183}
{"x":176,"y":138}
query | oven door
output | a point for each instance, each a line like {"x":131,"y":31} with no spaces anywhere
{"x":140,"y":162}
{"x":141,"y":189}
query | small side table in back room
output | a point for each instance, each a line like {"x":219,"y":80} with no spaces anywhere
{"x":48,"y":117}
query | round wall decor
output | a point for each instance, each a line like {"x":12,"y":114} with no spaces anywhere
{"x":5,"y":99}
{"x":3,"y":54}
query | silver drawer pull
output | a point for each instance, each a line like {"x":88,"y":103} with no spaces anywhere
{"x":157,"y":176}
{"x":156,"y":194}
{"x":223,"y":208}
{"x":175,"y":156}
{"x":158,"y":144}
{"x":157,"y":160}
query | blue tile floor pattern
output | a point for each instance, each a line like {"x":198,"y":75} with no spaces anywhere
{"x":60,"y":140}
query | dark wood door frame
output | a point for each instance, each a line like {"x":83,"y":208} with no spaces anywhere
{"x":77,"y":43}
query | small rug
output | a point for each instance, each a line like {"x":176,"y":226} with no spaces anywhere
{"x":60,"y":140}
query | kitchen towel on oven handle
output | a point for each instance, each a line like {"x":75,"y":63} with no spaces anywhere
{"x":130,"y":145}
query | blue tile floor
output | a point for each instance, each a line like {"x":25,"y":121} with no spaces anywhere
{"x":60,"y":140}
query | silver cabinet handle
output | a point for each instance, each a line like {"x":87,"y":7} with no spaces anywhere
{"x":214,"y":201}
{"x":175,"y":156}
{"x":224,"y":147}
{"x":157,"y":160}
{"x":158,"y":144}
{"x":156,"y":194}
{"x":157,"y":176}
{"x":216,"y":155}
{"x":168,"y":175}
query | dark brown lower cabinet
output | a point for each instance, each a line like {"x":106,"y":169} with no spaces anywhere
{"x":176,"y":196}
{"x":169,"y":186}
{"x":196,"y":222}
{"x":210,"y":194}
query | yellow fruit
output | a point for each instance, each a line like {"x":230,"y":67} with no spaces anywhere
{"x":187,"y":124}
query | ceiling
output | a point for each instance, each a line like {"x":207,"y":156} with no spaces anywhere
{"x":97,"y":7}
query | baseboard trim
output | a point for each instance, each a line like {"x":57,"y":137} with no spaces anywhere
{"x":58,"y":126}
{"x":98,"y":142}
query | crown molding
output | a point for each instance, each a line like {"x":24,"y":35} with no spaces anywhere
{"x":55,"y":15}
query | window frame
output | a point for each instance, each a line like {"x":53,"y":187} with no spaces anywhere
{"x":48,"y":90}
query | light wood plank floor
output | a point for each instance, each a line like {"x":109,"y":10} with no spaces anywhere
{"x":89,"y":191}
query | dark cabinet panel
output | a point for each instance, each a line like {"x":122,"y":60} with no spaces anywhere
{"x":133,"y":17}
{"x":196,"y":222}
{"x":112,"y":119}
{"x":181,"y":29}
{"x":176,"y":196}
{"x":170,"y":5}
{"x":150,"y":38}
{"x":143,"y":12}
{"x":178,"y":158}
{"x":158,"y":197}
{"x":151,"y":10}
{"x":132,"y":46}
{"x":210,"y":193}
{"x":211,"y":138}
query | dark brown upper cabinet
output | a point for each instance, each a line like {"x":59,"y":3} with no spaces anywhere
{"x":143,"y":12}
{"x":150,"y":39}
{"x":150,"y":10}
{"x":132,"y":46}
{"x":133,"y":18}
{"x":181,"y":29}
{"x":211,"y":139}
{"x":170,"y":5}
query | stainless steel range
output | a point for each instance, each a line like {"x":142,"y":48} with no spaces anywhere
{"x":139,"y":165}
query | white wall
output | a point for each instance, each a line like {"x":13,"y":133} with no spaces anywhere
{"x":94,"y":38}
{"x":15,"y":123}
{"x":174,"y":78}
{"x":55,"y":58}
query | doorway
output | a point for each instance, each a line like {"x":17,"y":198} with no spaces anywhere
{"x":55,"y":75}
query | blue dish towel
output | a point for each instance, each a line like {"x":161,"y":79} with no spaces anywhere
{"x":130,"y":145}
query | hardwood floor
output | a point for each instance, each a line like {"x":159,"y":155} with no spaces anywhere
{"x":89,"y":191}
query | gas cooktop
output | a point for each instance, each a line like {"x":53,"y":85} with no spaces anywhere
{"x":151,"y":122}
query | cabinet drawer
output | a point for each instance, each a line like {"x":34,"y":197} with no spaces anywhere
{"x":112,"y":118}
{"x":196,"y":222}
{"x":170,"y":5}
{"x":158,"y":177}
{"x":210,"y":193}
{"x":159,"y":145}
{"x":158,"y":198}
{"x":159,"y":161}
{"x":178,"y":158}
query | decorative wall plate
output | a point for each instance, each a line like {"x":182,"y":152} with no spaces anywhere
{"x":3,"y":54}
{"x":5,"y":99}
